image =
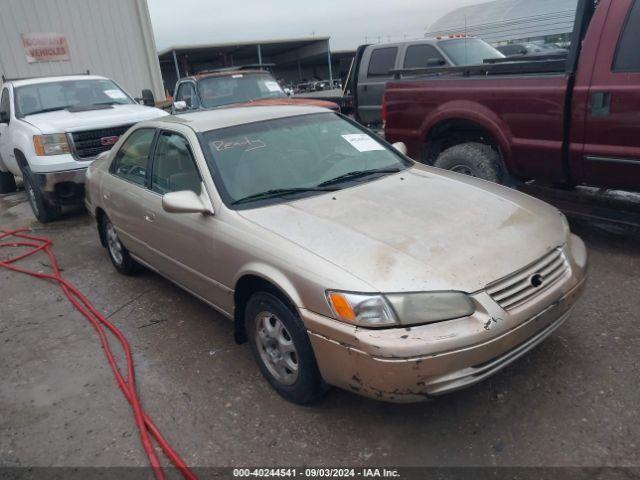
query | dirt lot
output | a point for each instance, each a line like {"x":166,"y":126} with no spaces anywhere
{"x":573,"y":401}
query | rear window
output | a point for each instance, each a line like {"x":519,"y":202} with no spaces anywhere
{"x":382,"y":61}
{"x":627,"y":58}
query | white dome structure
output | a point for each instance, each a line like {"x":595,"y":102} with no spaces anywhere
{"x":501,"y":21}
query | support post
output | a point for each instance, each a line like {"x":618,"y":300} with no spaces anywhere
{"x":259,"y":54}
{"x":175,"y":63}
{"x":329,"y":59}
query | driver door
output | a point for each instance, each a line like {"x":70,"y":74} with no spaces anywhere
{"x":181,"y":243}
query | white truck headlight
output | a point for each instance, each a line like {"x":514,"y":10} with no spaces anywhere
{"x":398,"y":309}
{"x":53,"y":144}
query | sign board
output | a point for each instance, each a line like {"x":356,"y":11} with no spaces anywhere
{"x":45,"y":47}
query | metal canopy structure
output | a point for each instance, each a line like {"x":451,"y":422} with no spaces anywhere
{"x":294,"y":59}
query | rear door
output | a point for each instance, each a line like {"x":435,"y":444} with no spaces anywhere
{"x":124,"y":187}
{"x":611,"y":155}
{"x":375,"y":69}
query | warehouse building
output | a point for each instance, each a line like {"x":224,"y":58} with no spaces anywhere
{"x":293,"y":60}
{"x":504,"y":21}
{"x":59,"y":37}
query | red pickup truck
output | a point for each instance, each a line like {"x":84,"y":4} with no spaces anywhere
{"x":559,"y":120}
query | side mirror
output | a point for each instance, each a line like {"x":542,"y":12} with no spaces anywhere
{"x":148,"y":98}
{"x":400,"y":147}
{"x":185,"y":201}
{"x":180,"y":105}
{"x":435,"y":62}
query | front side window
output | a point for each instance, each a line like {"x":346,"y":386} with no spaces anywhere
{"x":174,"y":169}
{"x":469,"y":51}
{"x":74,"y":95}
{"x":5,"y":108}
{"x":238,"y":88}
{"x":419,"y":56}
{"x":302,"y":155}
{"x":382,"y":61}
{"x":627,"y":58}
{"x":187,"y":94}
{"x":132,"y":160}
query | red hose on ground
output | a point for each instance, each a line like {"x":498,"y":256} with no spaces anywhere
{"x":83,"y":305}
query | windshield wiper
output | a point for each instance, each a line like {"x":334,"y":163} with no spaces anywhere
{"x":278,"y":192}
{"x":357,"y":174}
{"x":45,"y":110}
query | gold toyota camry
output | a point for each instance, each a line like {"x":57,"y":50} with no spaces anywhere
{"x":339,"y":259}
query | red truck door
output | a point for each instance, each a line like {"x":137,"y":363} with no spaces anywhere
{"x":611,"y":155}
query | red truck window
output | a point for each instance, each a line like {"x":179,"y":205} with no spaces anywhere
{"x":627,"y":58}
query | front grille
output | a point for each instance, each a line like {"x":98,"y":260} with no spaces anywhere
{"x":516,"y":289}
{"x":88,"y":144}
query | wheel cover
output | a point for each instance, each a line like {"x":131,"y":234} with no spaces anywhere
{"x":113,"y":242}
{"x":464,"y":169}
{"x":276,"y":348}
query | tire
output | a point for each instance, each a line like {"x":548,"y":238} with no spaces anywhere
{"x":43,"y":210}
{"x":118,"y":253}
{"x":282,"y":349}
{"x":474,"y":159}
{"x":7,"y":182}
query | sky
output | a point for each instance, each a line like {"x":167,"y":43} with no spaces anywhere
{"x":349,"y":23}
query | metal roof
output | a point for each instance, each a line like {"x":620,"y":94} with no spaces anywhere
{"x":269,"y":47}
{"x":502,"y":20}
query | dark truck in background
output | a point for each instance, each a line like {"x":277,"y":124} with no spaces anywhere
{"x":373,"y":65}
{"x":569,"y":121}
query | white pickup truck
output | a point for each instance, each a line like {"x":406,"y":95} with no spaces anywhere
{"x":52,"y":128}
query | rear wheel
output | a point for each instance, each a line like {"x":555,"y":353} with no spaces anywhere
{"x":43,"y":210}
{"x":118,"y":253}
{"x":7,"y":182}
{"x":281,"y":347}
{"x":473,"y":159}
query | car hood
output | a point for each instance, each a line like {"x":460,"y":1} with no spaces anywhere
{"x":420,"y":230}
{"x":61,"y":121}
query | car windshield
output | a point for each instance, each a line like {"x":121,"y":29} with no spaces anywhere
{"x":469,"y":51}
{"x":238,"y":88}
{"x":277,"y":160}
{"x":80,"y":94}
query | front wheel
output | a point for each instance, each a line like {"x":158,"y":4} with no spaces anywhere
{"x":474,"y":159}
{"x":43,"y":210}
{"x":281,"y":347}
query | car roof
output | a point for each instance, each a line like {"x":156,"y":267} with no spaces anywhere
{"x":61,"y":78}
{"x":225,"y":73}
{"x":206,"y":120}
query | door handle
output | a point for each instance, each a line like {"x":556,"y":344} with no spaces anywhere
{"x":600,"y":104}
{"x":149,"y":217}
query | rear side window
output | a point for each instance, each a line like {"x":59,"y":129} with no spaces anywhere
{"x":627,"y":58}
{"x":132,"y":160}
{"x":417,"y":56}
{"x":382,"y":61}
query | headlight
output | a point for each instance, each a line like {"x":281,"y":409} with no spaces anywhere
{"x":395,"y":309}
{"x":54,"y":144}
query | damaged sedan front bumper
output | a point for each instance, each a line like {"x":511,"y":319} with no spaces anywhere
{"x":415,"y":363}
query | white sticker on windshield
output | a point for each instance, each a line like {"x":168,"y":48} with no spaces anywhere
{"x":115,"y":94}
{"x":237,"y":75}
{"x":272,"y":86}
{"x":363,"y":142}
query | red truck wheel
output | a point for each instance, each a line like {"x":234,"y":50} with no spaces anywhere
{"x":474,"y":159}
